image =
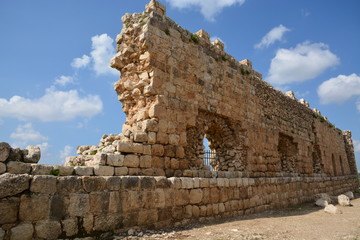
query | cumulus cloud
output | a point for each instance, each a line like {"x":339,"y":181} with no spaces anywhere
{"x":305,"y":61}
{"x":275,"y":34}
{"x":339,"y":89}
{"x":81,"y":62}
{"x":102,"y":51}
{"x":356,"y":145}
{"x":66,"y":152}
{"x":26,"y":133}
{"x":208,"y":8}
{"x":53,"y":106}
{"x":64,"y":80}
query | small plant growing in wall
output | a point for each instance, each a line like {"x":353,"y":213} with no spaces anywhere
{"x":55,"y":172}
{"x":167,"y":32}
{"x":224,"y":58}
{"x":194,"y":38}
{"x":245,"y":72}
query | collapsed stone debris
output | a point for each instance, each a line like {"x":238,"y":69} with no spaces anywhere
{"x":178,"y":88}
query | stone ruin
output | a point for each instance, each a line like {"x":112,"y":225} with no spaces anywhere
{"x":177,"y":88}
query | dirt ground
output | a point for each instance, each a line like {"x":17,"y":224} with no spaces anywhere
{"x":302,"y":222}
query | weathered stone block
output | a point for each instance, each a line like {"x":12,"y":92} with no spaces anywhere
{"x":64,"y":170}
{"x":116,"y":160}
{"x":195,"y":196}
{"x":34,"y":207}
{"x":4,"y":151}
{"x":99,"y":202}
{"x":11,"y":184}
{"x":145,"y":161}
{"x":2,"y":168}
{"x":131,"y":160}
{"x":158,"y":150}
{"x":32,"y":154}
{"x":104,"y":170}
{"x":41,"y":169}
{"x":130,"y":182}
{"x":98,"y":159}
{"x":93,"y":183}
{"x":9,"y":208}
{"x":140,"y":137}
{"x":79,"y":205}
{"x":147,"y":182}
{"x":147,"y":217}
{"x":115,"y":204}
{"x":107,"y":223}
{"x":69,"y":184}
{"x":187,"y":183}
{"x":43,"y":184}
{"x":48,"y":229}
{"x":121,"y":171}
{"x":18,"y":167}
{"x":151,"y":137}
{"x":130,"y":147}
{"x":23,"y":231}
{"x":70,"y":226}
{"x":113,"y":183}
{"x":84,"y":171}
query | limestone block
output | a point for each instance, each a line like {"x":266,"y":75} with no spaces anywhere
{"x":130,"y":182}
{"x":23,"y":231}
{"x":18,"y":167}
{"x":186,"y":183}
{"x":121,"y":171}
{"x":188,"y":211}
{"x":104,"y":170}
{"x":70,"y":226}
{"x":343,"y":200}
{"x":147,"y":149}
{"x":93,"y":183}
{"x":16,"y":154}
{"x":145,"y":161}
{"x":9,"y":208}
{"x":88,"y":223}
{"x":64,"y":170}
{"x":98,"y":202}
{"x":69,"y":184}
{"x":107,"y":222}
{"x":195,"y":211}
{"x":4,"y":151}
{"x":2,"y":234}
{"x":113,"y":183}
{"x":79,"y":205}
{"x":221,"y":208}
{"x":43,"y":184}
{"x":332,"y":209}
{"x":174,"y":163}
{"x":41,"y":169}
{"x":2,"y":168}
{"x":150,"y":125}
{"x":203,"y":34}
{"x":116,"y":160}
{"x":151,"y":137}
{"x":321,"y":203}
{"x":34,"y":207}
{"x":204,"y":182}
{"x":131,"y":160}
{"x":175,"y":182}
{"x":195,"y":196}
{"x":159,"y":198}
{"x":33,"y":154}
{"x":323,"y":196}
{"x":130,"y":147}
{"x":162,"y":182}
{"x":350,"y":195}
{"x":174,"y":139}
{"x":147,"y":182}
{"x":84,"y":171}
{"x":158,"y":150}
{"x":48,"y":229}
{"x":109,"y":149}
{"x":196,"y":182}
{"x":11,"y":184}
{"x":98,"y":159}
{"x":115,"y":204}
{"x":140,"y":137}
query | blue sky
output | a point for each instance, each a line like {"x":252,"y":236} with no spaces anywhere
{"x":57,"y":89}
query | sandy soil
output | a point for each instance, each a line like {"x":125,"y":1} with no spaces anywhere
{"x":301,"y":222}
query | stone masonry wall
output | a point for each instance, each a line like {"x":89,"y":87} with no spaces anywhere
{"x":177,"y":88}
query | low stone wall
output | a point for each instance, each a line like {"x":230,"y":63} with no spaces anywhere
{"x":52,"y":207}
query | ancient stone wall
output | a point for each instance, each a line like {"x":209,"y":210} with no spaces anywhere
{"x":271,"y":150}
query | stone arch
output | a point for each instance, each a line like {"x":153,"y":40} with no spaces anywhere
{"x":226,"y":138}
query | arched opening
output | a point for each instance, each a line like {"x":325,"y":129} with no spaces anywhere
{"x":209,"y":154}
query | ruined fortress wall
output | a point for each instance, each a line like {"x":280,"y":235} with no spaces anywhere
{"x":55,"y":207}
{"x":177,"y":88}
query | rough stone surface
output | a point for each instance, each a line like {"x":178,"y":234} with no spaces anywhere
{"x":18,"y":167}
{"x":2,"y":168}
{"x":41,"y":169}
{"x":4,"y":151}
{"x":332,"y":209}
{"x":11,"y":184}
{"x":350,"y":195}
{"x":48,"y":229}
{"x":43,"y":184}
{"x":33,"y":154}
{"x":343,"y":200}
{"x":22,"y":232}
{"x":70,"y":226}
{"x":84,"y":171}
{"x":321,"y":203}
{"x":104,"y":170}
{"x":9,"y":208}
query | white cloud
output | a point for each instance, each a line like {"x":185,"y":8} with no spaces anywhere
{"x":53,"y":106}
{"x":275,"y":34}
{"x":66,"y":152}
{"x":81,"y":62}
{"x":356,"y":146}
{"x":26,"y":133}
{"x":102,"y":51}
{"x":339,"y":89}
{"x":64,"y":80}
{"x":208,"y":8}
{"x":305,"y":61}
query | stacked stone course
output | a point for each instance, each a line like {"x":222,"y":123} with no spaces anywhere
{"x":176,"y":88}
